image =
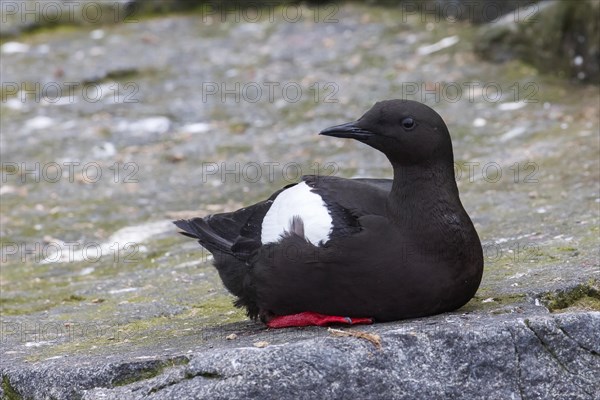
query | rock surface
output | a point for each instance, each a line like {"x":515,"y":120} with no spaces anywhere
{"x":558,"y":36}
{"x":456,"y":356}
{"x":100,"y":298}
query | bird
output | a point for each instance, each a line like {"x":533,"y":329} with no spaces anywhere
{"x":330,"y":250}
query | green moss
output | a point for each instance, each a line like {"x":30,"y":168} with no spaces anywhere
{"x":31,"y":297}
{"x":566,"y":249}
{"x":150,"y":371}
{"x":216,"y":310}
{"x":206,"y":374}
{"x":40,"y":31}
{"x":231,"y":150}
{"x":33,"y":287}
{"x":75,"y":297}
{"x":477,"y":304}
{"x":6,"y":94}
{"x":9,"y":392}
{"x":139,"y":375}
{"x":585,"y":296}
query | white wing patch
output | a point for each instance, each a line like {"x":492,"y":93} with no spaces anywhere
{"x":298,"y":201}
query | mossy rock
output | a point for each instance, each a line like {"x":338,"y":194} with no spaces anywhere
{"x":585,"y":296}
{"x":559,"y":37}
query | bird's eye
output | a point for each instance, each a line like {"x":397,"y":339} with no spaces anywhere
{"x":408,"y":123}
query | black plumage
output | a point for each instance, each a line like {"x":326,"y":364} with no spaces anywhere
{"x":397,"y":249}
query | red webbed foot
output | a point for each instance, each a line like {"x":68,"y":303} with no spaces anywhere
{"x":313,"y":319}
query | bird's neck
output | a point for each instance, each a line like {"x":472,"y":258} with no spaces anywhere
{"x":418,"y":191}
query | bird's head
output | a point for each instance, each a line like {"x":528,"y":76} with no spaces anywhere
{"x":407,"y":132}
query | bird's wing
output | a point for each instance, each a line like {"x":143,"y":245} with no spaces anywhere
{"x":239,"y":233}
{"x":236,"y":233}
{"x":348,"y":200}
{"x":360,"y":196}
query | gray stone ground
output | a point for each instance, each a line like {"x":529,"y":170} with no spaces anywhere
{"x":466,"y":357}
{"x":100,"y":298}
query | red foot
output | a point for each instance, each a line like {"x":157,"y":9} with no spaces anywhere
{"x":310,"y":318}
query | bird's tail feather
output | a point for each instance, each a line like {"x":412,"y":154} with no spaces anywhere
{"x":198,"y":228}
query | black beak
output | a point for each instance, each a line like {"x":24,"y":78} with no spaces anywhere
{"x":348,"y":130}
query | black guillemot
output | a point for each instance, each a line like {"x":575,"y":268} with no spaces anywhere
{"x":333,"y":250}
